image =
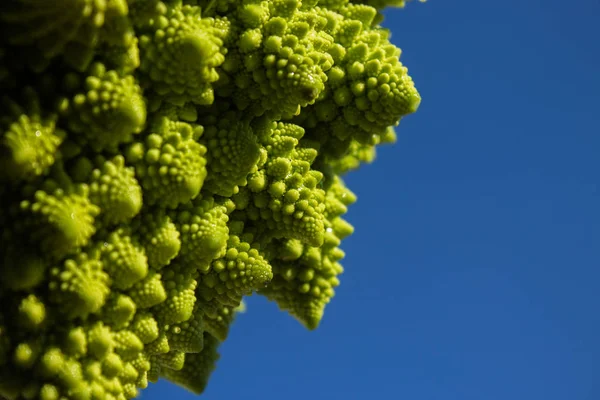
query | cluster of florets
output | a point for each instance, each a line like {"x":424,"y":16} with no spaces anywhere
{"x":159,"y":161}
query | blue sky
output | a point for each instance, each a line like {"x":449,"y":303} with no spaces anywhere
{"x":474,"y":269}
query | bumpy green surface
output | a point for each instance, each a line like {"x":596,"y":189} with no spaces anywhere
{"x":159,"y":161}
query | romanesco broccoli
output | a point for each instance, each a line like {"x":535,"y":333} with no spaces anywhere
{"x":162,"y":159}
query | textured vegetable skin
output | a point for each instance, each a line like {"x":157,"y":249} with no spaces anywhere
{"x":159,"y":161}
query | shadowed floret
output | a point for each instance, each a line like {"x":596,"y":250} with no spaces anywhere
{"x":59,"y":221}
{"x":173,"y":360}
{"x":158,"y":346}
{"x":304,"y":277}
{"x":204,"y":232}
{"x":105,"y":110}
{"x":148,"y":292}
{"x":127,"y":344}
{"x":179,"y":285}
{"x":187,"y":336}
{"x":169,"y":163}
{"x":159,"y":236}
{"x":368,"y":90}
{"x":233,"y":153}
{"x":119,"y":44}
{"x":29,"y":138}
{"x":361,"y":153}
{"x":278,"y":61}
{"x":198,"y":367}
{"x":282,"y":198}
{"x":123,"y":258}
{"x":21,"y":270}
{"x":179,"y":51}
{"x":145,"y":327}
{"x":79,"y":286}
{"x":112,"y":187}
{"x":32,"y":313}
{"x":69,"y":28}
{"x":241,"y":271}
{"x":118,"y":310}
{"x":217,"y":323}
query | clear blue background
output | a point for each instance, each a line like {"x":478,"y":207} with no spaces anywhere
{"x":474,"y":271}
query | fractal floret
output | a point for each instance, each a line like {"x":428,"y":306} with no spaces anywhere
{"x":162,"y":159}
